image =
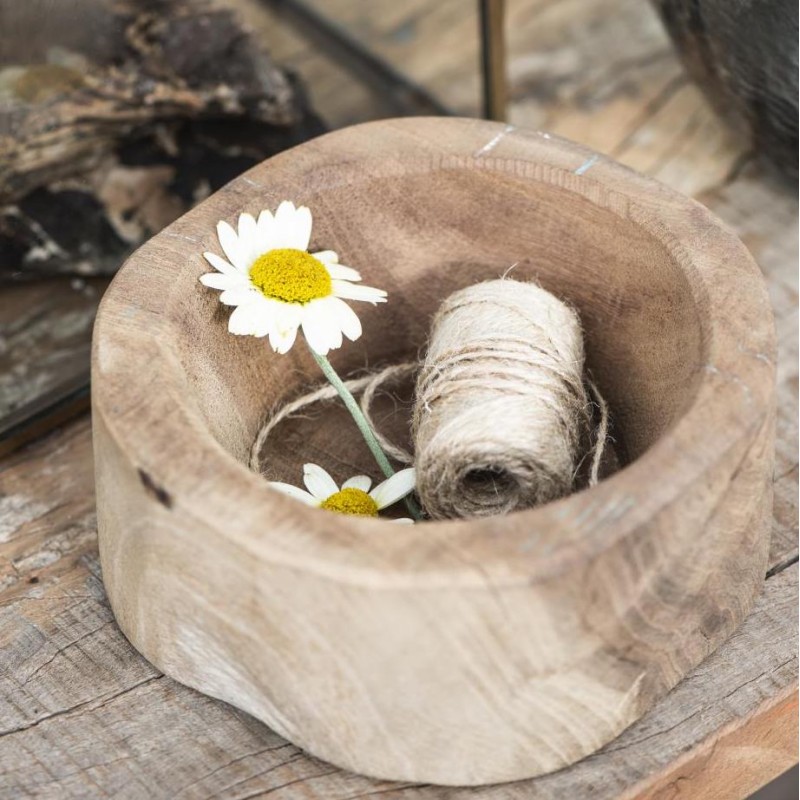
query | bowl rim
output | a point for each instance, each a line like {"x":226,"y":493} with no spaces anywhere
{"x":527,"y":546}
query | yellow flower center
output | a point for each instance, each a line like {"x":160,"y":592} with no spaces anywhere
{"x":290,"y":275}
{"x":352,"y":501}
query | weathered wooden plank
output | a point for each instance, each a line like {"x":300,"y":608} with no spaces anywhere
{"x":95,"y":158}
{"x":737,"y":761}
{"x":45,"y":332}
{"x":82,"y":714}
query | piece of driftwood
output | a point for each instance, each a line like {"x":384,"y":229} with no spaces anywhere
{"x":453,"y":653}
{"x":118,"y":115}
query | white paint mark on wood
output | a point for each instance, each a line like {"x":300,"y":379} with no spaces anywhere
{"x":494,"y":141}
{"x":735,"y":379}
{"x":182,"y":237}
{"x":587,"y":165}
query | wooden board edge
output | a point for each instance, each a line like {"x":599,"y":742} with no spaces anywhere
{"x":736,"y":760}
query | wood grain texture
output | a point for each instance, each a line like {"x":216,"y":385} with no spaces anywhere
{"x":764,"y":214}
{"x":83,"y":715}
{"x":555,"y":628}
{"x":45,"y":333}
{"x":735,"y":763}
{"x":122,"y":69}
{"x":600,"y":72}
{"x":744,"y":56}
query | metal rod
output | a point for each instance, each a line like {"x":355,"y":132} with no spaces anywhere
{"x":390,"y":84}
{"x":493,"y":59}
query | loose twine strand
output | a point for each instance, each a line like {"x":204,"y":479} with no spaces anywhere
{"x":368,"y":385}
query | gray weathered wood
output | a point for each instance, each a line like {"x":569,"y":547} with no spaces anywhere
{"x":45,"y":331}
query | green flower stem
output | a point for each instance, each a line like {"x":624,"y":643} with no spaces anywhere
{"x":363,"y":425}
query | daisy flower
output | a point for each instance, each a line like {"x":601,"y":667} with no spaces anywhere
{"x":277,"y":286}
{"x":354,"y":497}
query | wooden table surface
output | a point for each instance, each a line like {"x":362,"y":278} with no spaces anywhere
{"x":83,"y":715}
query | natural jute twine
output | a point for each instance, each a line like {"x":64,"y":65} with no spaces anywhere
{"x":367,"y":385}
{"x":502,"y":419}
{"x":501,"y":416}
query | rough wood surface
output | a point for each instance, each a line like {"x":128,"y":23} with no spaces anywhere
{"x":602,"y":73}
{"x":113,"y":68}
{"x":744,"y":56}
{"x":83,"y":715}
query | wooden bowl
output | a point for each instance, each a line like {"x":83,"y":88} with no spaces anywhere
{"x":461,"y":652}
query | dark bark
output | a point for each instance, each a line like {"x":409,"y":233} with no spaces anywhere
{"x":118,"y":116}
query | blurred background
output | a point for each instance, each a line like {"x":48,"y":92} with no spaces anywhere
{"x":116,"y":116}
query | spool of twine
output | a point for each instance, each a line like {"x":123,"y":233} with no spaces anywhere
{"x":501,"y":415}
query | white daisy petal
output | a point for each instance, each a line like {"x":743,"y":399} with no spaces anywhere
{"x":266,"y":227}
{"x":248,"y":238}
{"x":247,"y":226}
{"x":287,"y":318}
{"x":393,"y":489}
{"x":221,"y":264}
{"x":263,"y":329}
{"x":362,"y":482}
{"x":321,"y":327}
{"x":282,"y":225}
{"x":403,"y":520}
{"x":292,"y":226}
{"x":282,"y":341}
{"x":327,"y":256}
{"x":229,"y":242}
{"x":264,"y":319}
{"x":302,"y":227}
{"x":319,"y":482}
{"x":245,"y":319}
{"x":345,"y":317}
{"x":295,"y":492}
{"x":238,"y":296}
{"x":340,"y":272}
{"x":351,"y":292}
{"x":221,"y":281}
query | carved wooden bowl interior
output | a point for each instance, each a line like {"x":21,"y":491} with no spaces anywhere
{"x":461,"y":652}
